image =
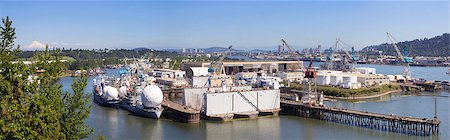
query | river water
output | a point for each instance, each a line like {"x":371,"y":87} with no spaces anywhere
{"x":119,"y":124}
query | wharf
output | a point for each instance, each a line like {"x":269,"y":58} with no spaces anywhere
{"x":179,"y":112}
{"x":391,"y":123}
{"x":433,"y":86}
{"x":410,"y":87}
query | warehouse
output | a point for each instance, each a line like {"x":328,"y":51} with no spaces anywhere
{"x":232,"y":68}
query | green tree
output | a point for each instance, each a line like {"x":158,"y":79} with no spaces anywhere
{"x":76,"y":110}
{"x":32,"y":104}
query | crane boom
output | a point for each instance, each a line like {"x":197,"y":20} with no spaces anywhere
{"x":406,"y":69}
{"x":218,"y":64}
{"x":285,"y":44}
{"x":400,"y":55}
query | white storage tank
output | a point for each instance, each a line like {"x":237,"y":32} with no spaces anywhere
{"x":323,"y":79}
{"x":349,"y":79}
{"x":335,"y":79}
{"x":351,"y":85}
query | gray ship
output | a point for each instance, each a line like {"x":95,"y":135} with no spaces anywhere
{"x":104,"y":94}
{"x":144,"y":102}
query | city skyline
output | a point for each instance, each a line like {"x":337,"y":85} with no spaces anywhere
{"x":245,"y":25}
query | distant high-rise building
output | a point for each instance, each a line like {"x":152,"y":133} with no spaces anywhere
{"x":319,"y":48}
{"x":183,"y":50}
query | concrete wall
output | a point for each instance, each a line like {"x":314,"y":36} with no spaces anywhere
{"x":241,"y":105}
{"x":232,"y":102}
{"x":193,"y":97}
{"x":218,"y":103}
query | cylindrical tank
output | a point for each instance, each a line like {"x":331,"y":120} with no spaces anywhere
{"x":152,"y":96}
{"x":335,"y":79}
{"x":349,"y":79}
{"x":323,"y":79}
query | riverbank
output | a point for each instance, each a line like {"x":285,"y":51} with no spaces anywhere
{"x":363,"y":97}
{"x":362,"y":93}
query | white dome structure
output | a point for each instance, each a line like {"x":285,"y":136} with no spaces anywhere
{"x":123,"y":91}
{"x":111,"y":93}
{"x":152,"y":96}
{"x":105,"y":89}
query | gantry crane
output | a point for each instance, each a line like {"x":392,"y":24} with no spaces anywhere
{"x":403,"y":60}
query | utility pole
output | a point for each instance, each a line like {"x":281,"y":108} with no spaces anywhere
{"x":435,"y":107}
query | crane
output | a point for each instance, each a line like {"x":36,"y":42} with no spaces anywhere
{"x":216,"y":67}
{"x":403,"y":60}
{"x":352,"y":56}
{"x":286,"y":45}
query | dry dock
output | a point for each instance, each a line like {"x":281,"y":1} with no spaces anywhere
{"x":391,"y":123}
{"x":180,"y":113}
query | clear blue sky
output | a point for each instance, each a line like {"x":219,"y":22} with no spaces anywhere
{"x":246,"y":25}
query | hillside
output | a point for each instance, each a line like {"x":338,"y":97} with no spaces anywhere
{"x":216,"y":49}
{"x":436,"y":46}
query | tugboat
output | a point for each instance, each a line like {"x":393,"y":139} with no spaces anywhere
{"x":145,"y":101}
{"x":104,"y":94}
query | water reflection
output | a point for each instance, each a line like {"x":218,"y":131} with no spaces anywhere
{"x":119,"y":124}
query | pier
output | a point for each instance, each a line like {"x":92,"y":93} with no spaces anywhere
{"x":391,"y":123}
{"x":180,"y":113}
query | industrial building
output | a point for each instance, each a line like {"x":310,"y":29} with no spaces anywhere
{"x":371,"y":79}
{"x":292,"y":76}
{"x":232,"y":68}
{"x":351,"y":80}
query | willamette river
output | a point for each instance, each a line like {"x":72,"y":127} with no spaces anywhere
{"x":119,"y":124}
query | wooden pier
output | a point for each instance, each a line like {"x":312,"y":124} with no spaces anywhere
{"x":178,"y":112}
{"x":391,"y":123}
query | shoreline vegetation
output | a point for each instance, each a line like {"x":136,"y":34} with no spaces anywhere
{"x":361,"y":93}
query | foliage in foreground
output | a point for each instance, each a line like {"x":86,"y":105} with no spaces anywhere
{"x":32,"y":104}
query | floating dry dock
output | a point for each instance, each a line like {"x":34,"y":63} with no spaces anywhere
{"x":391,"y":123}
{"x":180,"y":113}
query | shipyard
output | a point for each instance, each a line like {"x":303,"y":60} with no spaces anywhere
{"x":226,"y":70}
{"x":226,"y":90}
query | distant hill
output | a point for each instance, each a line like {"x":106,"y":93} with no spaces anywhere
{"x":141,"y":49}
{"x":216,"y":49}
{"x":436,"y":46}
{"x":259,"y":50}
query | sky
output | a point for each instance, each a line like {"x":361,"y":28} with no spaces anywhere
{"x":200,"y":24}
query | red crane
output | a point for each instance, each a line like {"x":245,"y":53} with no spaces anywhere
{"x":310,"y":72}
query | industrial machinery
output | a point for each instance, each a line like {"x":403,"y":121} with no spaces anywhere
{"x":291,"y":51}
{"x":311,"y":96}
{"x":216,"y":67}
{"x":353,"y":58}
{"x":404,"y":60}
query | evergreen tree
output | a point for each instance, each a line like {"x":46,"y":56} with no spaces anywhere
{"x":32,"y":104}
